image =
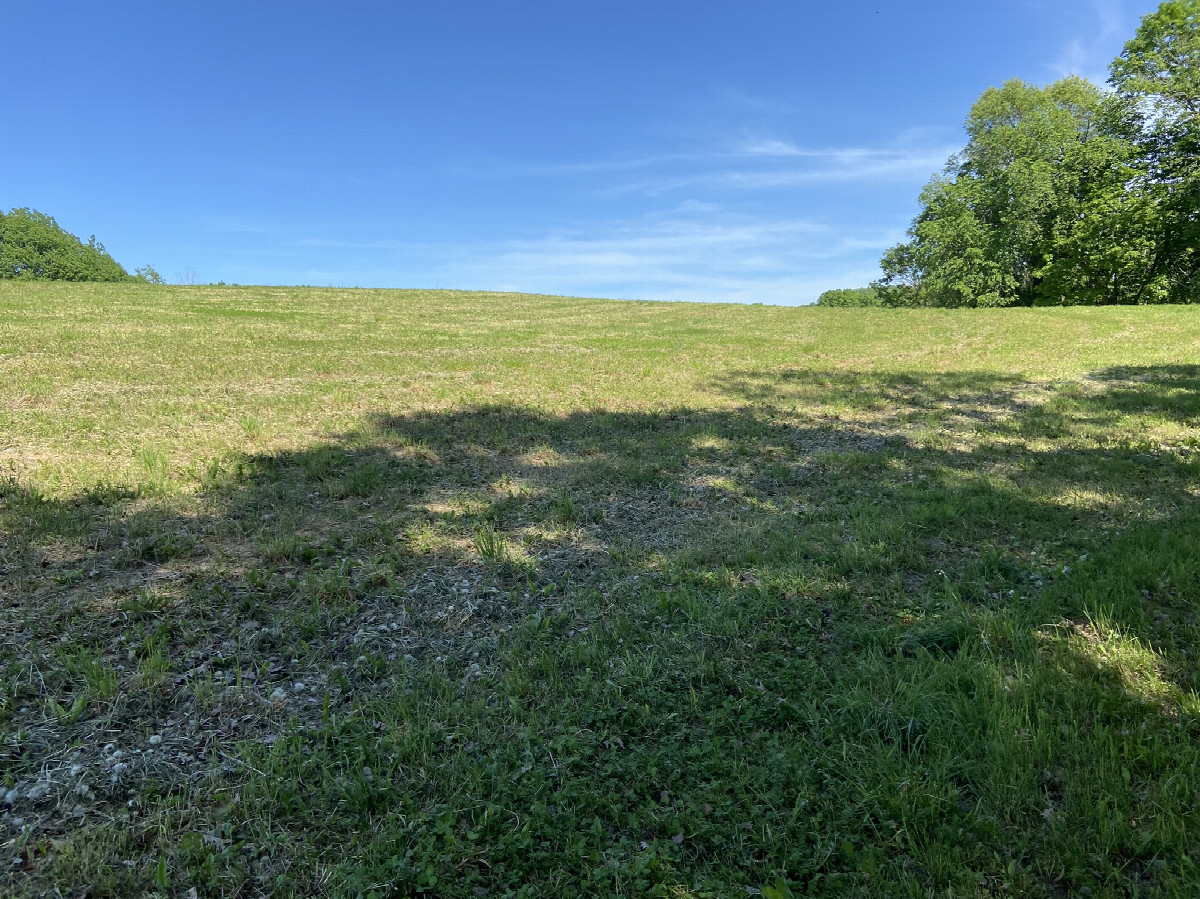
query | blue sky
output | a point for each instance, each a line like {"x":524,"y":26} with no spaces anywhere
{"x":748,"y":152}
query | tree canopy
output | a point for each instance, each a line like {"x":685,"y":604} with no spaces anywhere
{"x":1070,"y":194}
{"x":1159,"y":70}
{"x":852,"y":296}
{"x":34,"y":247}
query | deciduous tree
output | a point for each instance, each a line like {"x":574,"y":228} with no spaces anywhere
{"x":34,"y":247}
{"x":1159,"y":69}
{"x":1009,"y":220}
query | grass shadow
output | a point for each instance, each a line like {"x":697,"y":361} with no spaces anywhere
{"x":860,"y":633}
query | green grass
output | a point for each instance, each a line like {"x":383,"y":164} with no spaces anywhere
{"x":368,"y":593}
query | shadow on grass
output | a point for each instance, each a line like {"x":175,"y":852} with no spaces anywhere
{"x":862,"y":633}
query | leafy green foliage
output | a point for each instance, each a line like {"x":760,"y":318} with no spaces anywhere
{"x":1017,"y":216}
{"x":149,"y":274}
{"x":1160,"y":70}
{"x":851,"y":296}
{"x":34,"y":247}
{"x":1067,"y":195}
{"x":1162,"y":61}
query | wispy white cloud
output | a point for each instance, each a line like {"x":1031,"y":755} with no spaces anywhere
{"x":1093,"y":47}
{"x":851,"y":164}
{"x":713,"y":258}
{"x":592,"y":167}
{"x":696,"y":206}
{"x":792,"y":166}
{"x":759,"y":163}
{"x":773,"y":147}
{"x":694,"y":253}
{"x":711,"y":226}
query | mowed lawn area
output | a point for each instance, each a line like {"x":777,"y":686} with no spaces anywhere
{"x":387,"y":593}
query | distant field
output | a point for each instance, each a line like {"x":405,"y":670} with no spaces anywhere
{"x":375,"y":593}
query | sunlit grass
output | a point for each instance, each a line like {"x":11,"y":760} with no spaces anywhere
{"x":316,"y":592}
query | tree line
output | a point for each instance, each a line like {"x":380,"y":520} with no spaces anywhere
{"x":1067,"y":194}
{"x":33,"y":247}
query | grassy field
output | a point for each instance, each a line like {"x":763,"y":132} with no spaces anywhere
{"x":387,"y":593}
